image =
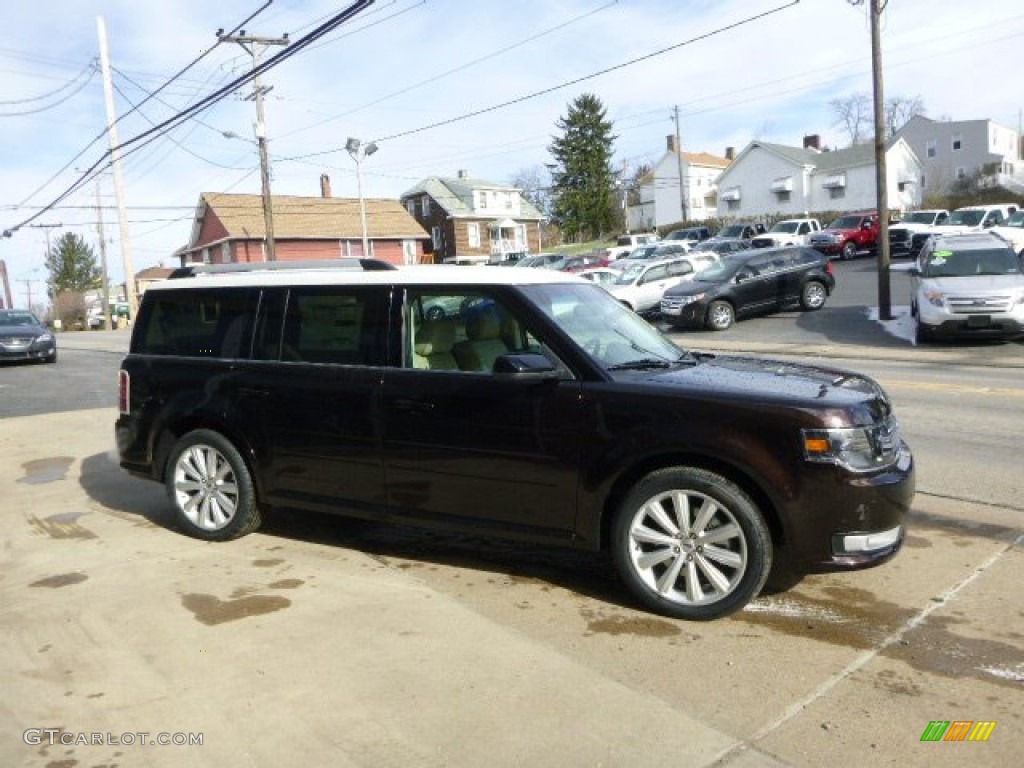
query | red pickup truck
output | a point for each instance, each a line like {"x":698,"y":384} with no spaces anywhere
{"x":848,"y":236}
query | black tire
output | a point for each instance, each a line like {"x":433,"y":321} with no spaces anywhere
{"x":813,"y":295}
{"x":679,"y":564}
{"x":721,"y":316}
{"x":435,"y":313}
{"x":215,"y":505}
{"x":849,"y":250}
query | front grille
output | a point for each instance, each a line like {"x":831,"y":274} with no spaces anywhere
{"x":669,"y":302}
{"x":762,"y":242}
{"x":17,"y":341}
{"x":979,"y":305}
{"x":899,"y":236}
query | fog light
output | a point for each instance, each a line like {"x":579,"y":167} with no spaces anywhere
{"x":869,"y":542}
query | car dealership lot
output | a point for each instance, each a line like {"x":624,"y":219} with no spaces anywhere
{"x":325,"y":639}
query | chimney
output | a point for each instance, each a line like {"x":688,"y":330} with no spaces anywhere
{"x":813,"y":141}
{"x":463,"y":174}
{"x":325,"y":185}
{"x":670,"y":143}
{"x":730,"y":153}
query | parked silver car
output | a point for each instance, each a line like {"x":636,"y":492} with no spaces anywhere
{"x":967,"y":286}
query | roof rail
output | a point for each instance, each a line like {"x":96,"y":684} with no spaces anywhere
{"x":366,"y":265}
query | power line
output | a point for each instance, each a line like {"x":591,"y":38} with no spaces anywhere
{"x":89,"y":69}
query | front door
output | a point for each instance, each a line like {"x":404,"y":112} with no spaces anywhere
{"x":462,"y":444}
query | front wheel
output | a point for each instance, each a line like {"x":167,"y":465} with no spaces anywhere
{"x":720,"y":316}
{"x":921,"y":334}
{"x":691,"y":544}
{"x":813,"y":295}
{"x":211,"y":487}
{"x":849,"y":250}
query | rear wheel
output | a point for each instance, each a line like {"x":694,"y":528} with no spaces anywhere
{"x":813,"y":295}
{"x":691,"y":544}
{"x":720,"y":316}
{"x":211,"y":487}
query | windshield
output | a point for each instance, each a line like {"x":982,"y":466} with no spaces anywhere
{"x":966,"y":218}
{"x":733,"y":230}
{"x":646,"y":252}
{"x":1015,"y":220}
{"x":845,"y":222}
{"x":990,"y":261}
{"x":786,"y":226}
{"x":630,"y":273}
{"x":613,"y":335}
{"x":18,"y":318}
{"x":920,"y":217}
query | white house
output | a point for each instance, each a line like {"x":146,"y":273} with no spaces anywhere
{"x":658,"y":195}
{"x":773,"y":179}
{"x":956,"y":149}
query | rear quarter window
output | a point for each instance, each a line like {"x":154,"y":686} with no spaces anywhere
{"x":196,"y":323}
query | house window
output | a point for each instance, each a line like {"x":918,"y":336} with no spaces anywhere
{"x":508,"y":201}
{"x":930,"y":147}
{"x":837,"y":193}
{"x":782,"y":196}
{"x":473,"y":230}
{"x":957,"y":142}
{"x":733,"y":205}
{"x":206,"y":255}
{"x":410,"y":206}
{"x":225,"y":253}
{"x":409,"y":251}
{"x":435,"y":236}
{"x":425,"y":206}
{"x":961,"y":173}
{"x":483,"y":200}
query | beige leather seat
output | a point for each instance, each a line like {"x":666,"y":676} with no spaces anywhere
{"x":483,"y":344}
{"x":432,"y":348}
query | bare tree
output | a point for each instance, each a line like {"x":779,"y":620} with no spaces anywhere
{"x":899,"y":110}
{"x":854,"y":115}
{"x":534,"y":183}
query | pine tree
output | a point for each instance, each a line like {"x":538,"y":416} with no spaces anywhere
{"x":72,"y":266}
{"x":582,"y":182}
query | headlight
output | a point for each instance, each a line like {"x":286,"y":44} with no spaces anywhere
{"x":935,"y":298}
{"x":859,"y":449}
{"x":684,"y":300}
{"x":44,"y":338}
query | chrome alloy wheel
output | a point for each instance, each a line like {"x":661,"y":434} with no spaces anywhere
{"x":205,"y":489}
{"x":687,"y":547}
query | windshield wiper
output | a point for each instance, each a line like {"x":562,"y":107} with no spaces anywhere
{"x":643,"y":364}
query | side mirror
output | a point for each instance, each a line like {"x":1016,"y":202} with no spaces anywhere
{"x":524,"y":366}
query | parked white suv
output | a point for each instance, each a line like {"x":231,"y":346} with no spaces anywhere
{"x":967,"y":286}
{"x":627,"y":243}
{"x":642,"y":283}
{"x":1012,"y":231}
{"x":787,"y":232}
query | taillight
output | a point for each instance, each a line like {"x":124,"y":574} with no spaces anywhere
{"x":124,"y":387}
{"x":828,"y":267}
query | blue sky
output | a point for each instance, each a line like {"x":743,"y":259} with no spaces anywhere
{"x":406,"y":64}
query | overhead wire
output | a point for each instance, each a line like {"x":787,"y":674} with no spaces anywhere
{"x":89,"y":69}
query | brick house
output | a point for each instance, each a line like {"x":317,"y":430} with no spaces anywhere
{"x":472,"y":221}
{"x":230,"y":228}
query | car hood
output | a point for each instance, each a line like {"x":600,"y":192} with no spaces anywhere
{"x":831,"y":232}
{"x":775,"y":381}
{"x":18,"y":331}
{"x":973,"y":283}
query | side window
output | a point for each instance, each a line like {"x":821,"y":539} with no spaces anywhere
{"x":344,"y":325}
{"x":461,"y":330}
{"x":654,"y":274}
{"x":761,"y":266}
{"x":679,"y":268}
{"x":214,"y":323}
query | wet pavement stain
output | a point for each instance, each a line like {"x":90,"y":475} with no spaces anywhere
{"x":269,"y":562}
{"x":210,"y":610}
{"x":61,"y":580}
{"x":41,"y":471}
{"x":901,"y":685}
{"x":916,"y":542}
{"x":286,"y":584}
{"x":643,"y":626}
{"x":61,"y":526}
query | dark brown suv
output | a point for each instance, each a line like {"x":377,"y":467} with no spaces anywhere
{"x":532,"y":406}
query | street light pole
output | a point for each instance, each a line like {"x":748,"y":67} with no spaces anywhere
{"x":359,"y":151}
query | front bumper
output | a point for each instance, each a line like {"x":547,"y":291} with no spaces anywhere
{"x":687,"y":315}
{"x":16,"y":349}
{"x":861,"y":522}
{"x":941,"y":323}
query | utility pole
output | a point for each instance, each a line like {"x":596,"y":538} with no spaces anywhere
{"x":679,"y":163}
{"x":46,"y":229}
{"x":130,"y":293}
{"x":103,"y":259}
{"x":255,"y":46}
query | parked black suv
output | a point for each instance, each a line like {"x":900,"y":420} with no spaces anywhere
{"x":691,"y":235}
{"x":534,"y":407}
{"x":755,"y":282}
